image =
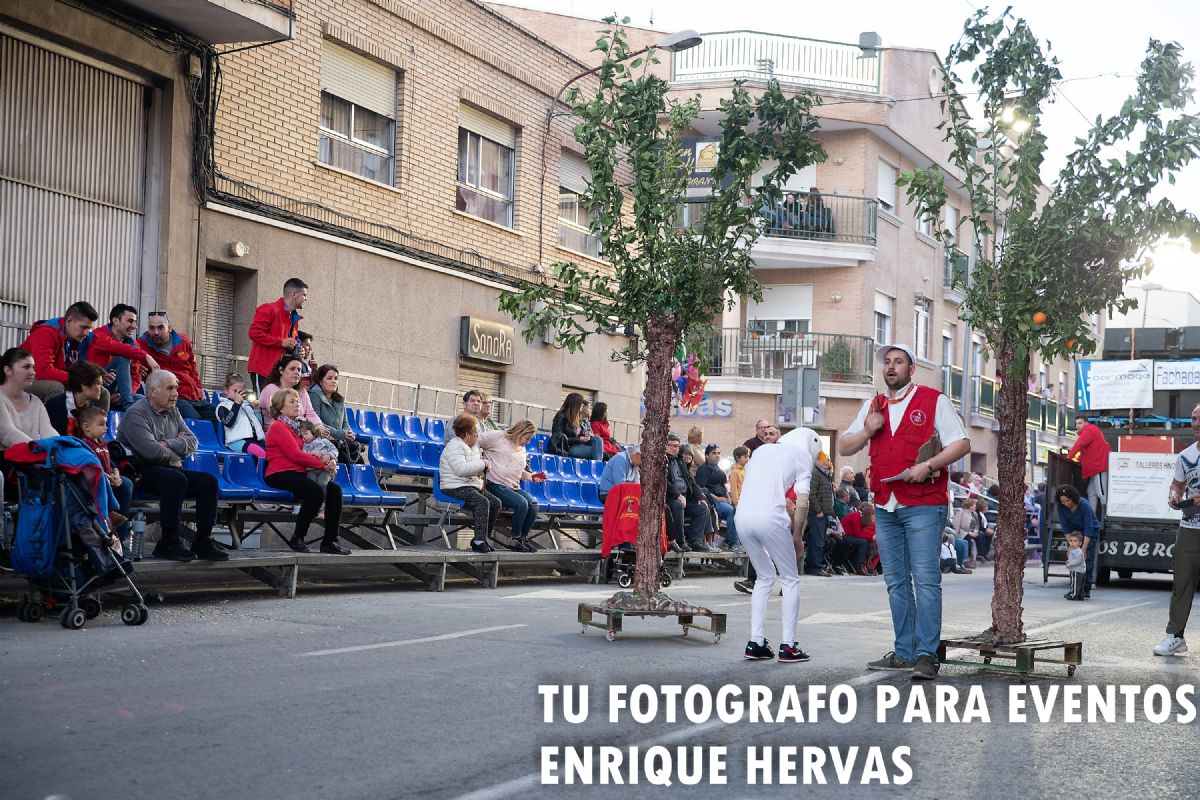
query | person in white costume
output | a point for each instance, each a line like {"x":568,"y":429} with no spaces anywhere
{"x":774,"y":541}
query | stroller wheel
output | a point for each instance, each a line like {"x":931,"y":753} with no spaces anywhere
{"x":72,"y":618}
{"x":664,"y":578}
{"x":34,"y":612}
{"x":625,"y":580}
{"x":91,"y":607}
{"x":134,"y":614}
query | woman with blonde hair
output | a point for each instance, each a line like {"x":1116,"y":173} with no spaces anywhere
{"x":504,"y":452}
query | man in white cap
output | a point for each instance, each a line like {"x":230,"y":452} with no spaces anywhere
{"x":910,"y":486}
{"x":772,"y":540}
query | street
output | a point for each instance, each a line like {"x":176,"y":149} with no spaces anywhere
{"x":395,"y":693}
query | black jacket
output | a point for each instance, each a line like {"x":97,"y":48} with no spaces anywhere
{"x":564,"y":436}
{"x":712,"y":480}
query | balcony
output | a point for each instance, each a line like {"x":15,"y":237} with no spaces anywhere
{"x":952,"y":384}
{"x":223,"y":21}
{"x":748,"y":353}
{"x":954,"y":278}
{"x":986,"y":395}
{"x":827,"y":230}
{"x":745,"y":55}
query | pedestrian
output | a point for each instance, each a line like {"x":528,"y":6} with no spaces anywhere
{"x":1075,"y":514}
{"x":774,"y":541}
{"x":1092,"y":451}
{"x":1076,"y":567}
{"x":910,"y":498}
{"x":1184,"y":495}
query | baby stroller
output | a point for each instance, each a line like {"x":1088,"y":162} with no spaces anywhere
{"x":61,"y":540}
{"x":619,"y":532}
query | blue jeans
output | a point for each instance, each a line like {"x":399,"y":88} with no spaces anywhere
{"x":962,"y":548}
{"x":123,"y":385}
{"x":814,"y":554}
{"x":725,"y":512}
{"x":909,"y":541}
{"x":593,"y":450}
{"x":524,"y":508}
{"x":196,"y":409}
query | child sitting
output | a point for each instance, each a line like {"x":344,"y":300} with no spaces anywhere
{"x":319,"y":446}
{"x":948,"y":559}
{"x":241,"y":423}
{"x":92,"y":425}
{"x":1076,"y":567}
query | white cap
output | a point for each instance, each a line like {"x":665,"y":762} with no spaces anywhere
{"x":882,"y":351}
{"x":803,"y":439}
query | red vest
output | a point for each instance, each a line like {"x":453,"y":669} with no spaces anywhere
{"x":891,"y":453}
{"x":622,"y":507}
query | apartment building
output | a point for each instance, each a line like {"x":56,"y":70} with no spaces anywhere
{"x":401,"y":158}
{"x":857,"y":269}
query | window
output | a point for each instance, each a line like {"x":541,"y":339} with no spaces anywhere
{"x":921,"y":327}
{"x":952,"y":224}
{"x":885,"y":309}
{"x":925,"y":225}
{"x":358,"y":114}
{"x":886,"y":191}
{"x":486,"y":148}
{"x":574,"y":221}
{"x":977,"y":355}
{"x":947,"y":344}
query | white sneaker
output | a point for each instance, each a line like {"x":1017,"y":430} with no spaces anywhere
{"x":1170,"y":645}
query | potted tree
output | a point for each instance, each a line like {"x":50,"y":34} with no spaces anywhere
{"x":837,"y":359}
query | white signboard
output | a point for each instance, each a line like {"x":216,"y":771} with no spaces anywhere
{"x":1115,"y":384}
{"x":1177,"y":374}
{"x":1138,"y":484}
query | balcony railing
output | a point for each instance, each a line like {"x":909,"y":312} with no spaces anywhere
{"x":955,"y":275}
{"x":806,"y":217}
{"x":747,"y":55}
{"x":1045,"y":414}
{"x":986,"y":393}
{"x":747,"y":353}
{"x":952,"y":384}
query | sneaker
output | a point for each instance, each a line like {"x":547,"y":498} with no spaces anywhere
{"x":206,"y":550}
{"x":696,"y":548}
{"x":1171,"y":645}
{"x":1070,"y":596}
{"x":737,"y":548}
{"x":926,"y":669}
{"x":745,"y":587}
{"x":758,"y":652}
{"x":891,"y":662}
{"x":962,"y":571}
{"x":791,"y":653}
{"x":712,"y":548}
{"x":172,"y":550}
{"x":818,"y":573}
{"x":676,"y":547}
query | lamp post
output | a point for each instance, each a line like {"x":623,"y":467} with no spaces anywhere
{"x":1146,"y":288}
{"x":675,"y":42}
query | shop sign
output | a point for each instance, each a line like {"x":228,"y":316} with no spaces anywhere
{"x":482,"y":340}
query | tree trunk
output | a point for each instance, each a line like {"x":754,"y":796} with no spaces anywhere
{"x":662,"y":335}
{"x":1009,"y":542}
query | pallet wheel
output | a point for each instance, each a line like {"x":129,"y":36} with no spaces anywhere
{"x":134,"y":614}
{"x":91,"y":607}
{"x":72,"y":618}
{"x":625,"y":580}
{"x":611,"y":636}
{"x":1070,"y":670}
{"x":35,"y":612}
{"x":583,"y":632}
{"x":987,"y":659}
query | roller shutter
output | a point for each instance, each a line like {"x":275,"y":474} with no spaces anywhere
{"x":216,"y":344}
{"x":358,"y":79}
{"x":487,"y":126}
{"x":479,"y":379}
{"x":573,"y":172}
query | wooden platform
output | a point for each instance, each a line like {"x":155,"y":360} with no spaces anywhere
{"x":1023,"y":655}
{"x":613,"y":619}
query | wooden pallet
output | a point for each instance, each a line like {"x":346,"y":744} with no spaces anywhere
{"x":613,"y":619}
{"x":1024,"y":655}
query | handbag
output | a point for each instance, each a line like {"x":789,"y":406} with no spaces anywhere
{"x":350,"y":451}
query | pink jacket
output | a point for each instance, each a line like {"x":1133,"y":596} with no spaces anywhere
{"x":506,"y":461}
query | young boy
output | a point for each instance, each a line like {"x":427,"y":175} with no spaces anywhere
{"x":737,"y":473}
{"x":92,"y":423}
{"x":948,"y":559}
{"x":319,"y":446}
{"x":1076,"y":566}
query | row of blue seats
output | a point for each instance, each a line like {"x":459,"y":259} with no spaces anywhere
{"x":240,"y":479}
{"x":373,"y":424}
{"x":423,"y":458}
{"x":552,"y":495}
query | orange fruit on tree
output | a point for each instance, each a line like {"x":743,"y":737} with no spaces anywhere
{"x":1071,"y":344}
{"x":1040,"y":318}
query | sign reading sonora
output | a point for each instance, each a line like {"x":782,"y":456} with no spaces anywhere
{"x":486,"y":341}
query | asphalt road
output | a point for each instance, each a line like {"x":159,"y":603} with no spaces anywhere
{"x":385,"y":692}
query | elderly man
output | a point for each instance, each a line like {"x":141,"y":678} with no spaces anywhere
{"x":624,"y":467}
{"x":911,"y":492}
{"x":484,"y":418}
{"x":847,"y":483}
{"x":760,"y":436}
{"x":155,"y":433}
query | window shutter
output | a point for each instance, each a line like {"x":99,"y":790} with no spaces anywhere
{"x":884,"y":304}
{"x":573,"y":172}
{"x":886,"y":190}
{"x":487,"y":126}
{"x":588,"y":394}
{"x":217,"y":340}
{"x":481,"y":380}
{"x":358,"y":79}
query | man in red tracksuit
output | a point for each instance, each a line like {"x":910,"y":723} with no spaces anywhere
{"x":114,"y":347}
{"x":1092,"y":452}
{"x":56,"y":344}
{"x":174,"y":353}
{"x":275,"y":330}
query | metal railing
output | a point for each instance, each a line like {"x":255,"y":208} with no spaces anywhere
{"x":955,"y":274}
{"x":804,"y":216}
{"x":986,"y":394}
{"x":748,"y":55}
{"x":1046,"y":414}
{"x":952,"y":384}
{"x":749,"y":353}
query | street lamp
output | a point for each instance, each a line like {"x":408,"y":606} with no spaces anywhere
{"x":673,"y":43}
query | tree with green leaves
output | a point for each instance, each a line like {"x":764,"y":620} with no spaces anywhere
{"x":1052,"y":258}
{"x":667,"y":277}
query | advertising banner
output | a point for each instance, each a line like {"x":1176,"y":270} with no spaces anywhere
{"x":1138,"y":484}
{"x":1177,"y":374}
{"x":1115,"y":384}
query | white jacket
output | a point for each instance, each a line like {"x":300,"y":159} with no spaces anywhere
{"x":461,"y":465}
{"x":245,"y":424}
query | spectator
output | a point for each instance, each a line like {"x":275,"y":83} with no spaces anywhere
{"x":624,"y":467}
{"x":946,"y":560}
{"x":462,"y":472}
{"x":114,"y":347}
{"x":772,"y":434}
{"x":695,"y":437}
{"x":737,"y":473}
{"x":1092,"y":451}
{"x":699,"y":526}
{"x":473,"y":405}
{"x":966,"y":533}
{"x":685,"y":511}
{"x":56,"y":344}
{"x":308,"y":365}
{"x":601,"y":430}
{"x":1184,"y":492}
{"x":316,"y":445}
{"x":275,"y":331}
{"x":820,"y":509}
{"x":504,"y":452}
{"x":1075,"y":514}
{"x":713,"y":481}
{"x":154,"y":432}
{"x":570,"y":434}
{"x":843,"y":504}
{"x":23,"y":417}
{"x":85,"y":385}
{"x":173,"y":352}
{"x":92,"y":423}
{"x":486,"y":423}
{"x":847,"y":483}
{"x":862,"y":487}
{"x":983,"y":543}
{"x":1076,"y":568}
{"x":859,"y":526}
{"x":330,"y":406}
{"x":287,"y":469}
{"x":243,"y":430}
{"x":760,"y":436}
{"x":286,"y":375}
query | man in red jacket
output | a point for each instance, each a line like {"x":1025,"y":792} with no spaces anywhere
{"x":275,"y":330}
{"x":174,"y":354}
{"x":56,"y":344}
{"x":1092,"y":452}
{"x":114,"y":347}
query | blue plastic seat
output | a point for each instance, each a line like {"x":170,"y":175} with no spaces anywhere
{"x":539,"y":441}
{"x":535,"y":462}
{"x":550,"y":466}
{"x":353,"y":423}
{"x":243,"y":471}
{"x":364,"y":479}
{"x":369,"y":422}
{"x":381,"y":453}
{"x":392,"y":425}
{"x":552,"y":491}
{"x":597,"y":470}
{"x":114,"y":422}
{"x":227,"y":491}
{"x":414,"y":429}
{"x":591,"y":497}
{"x":351,"y":495}
{"x":206,"y":436}
{"x":573,"y":496}
{"x":435,"y":430}
{"x":439,"y":495}
{"x":431,"y":455}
